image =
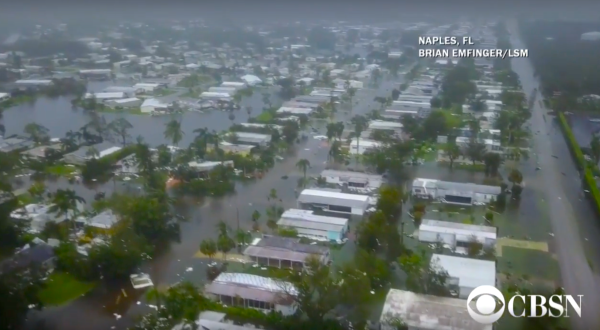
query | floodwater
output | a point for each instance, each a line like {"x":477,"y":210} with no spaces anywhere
{"x":59,"y":117}
{"x":96,"y":310}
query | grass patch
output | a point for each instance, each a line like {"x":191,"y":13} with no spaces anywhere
{"x":528,"y":263}
{"x":265,"y":117}
{"x":62,"y":288}
{"x":62,"y":170}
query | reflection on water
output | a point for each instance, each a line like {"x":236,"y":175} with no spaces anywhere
{"x":173,"y":264}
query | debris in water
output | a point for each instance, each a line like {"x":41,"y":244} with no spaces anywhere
{"x":117,"y":316}
{"x":189,"y":269}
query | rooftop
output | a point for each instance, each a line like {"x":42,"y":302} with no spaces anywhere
{"x":426,"y":312}
{"x":458,"y":228}
{"x":469,"y":272}
{"x":456,"y":186}
{"x":283,"y":248}
{"x":332,"y":194}
{"x":249,"y":286}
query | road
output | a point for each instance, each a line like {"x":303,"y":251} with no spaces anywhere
{"x":569,"y":215}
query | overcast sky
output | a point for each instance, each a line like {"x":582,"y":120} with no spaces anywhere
{"x":265,"y":10}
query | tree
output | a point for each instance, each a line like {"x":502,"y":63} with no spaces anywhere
{"x":595,"y":148}
{"x":474,"y":247}
{"x":149,"y":215}
{"x":248,"y":110}
{"x":316,"y":290}
{"x":424,"y":276}
{"x":173,"y":131}
{"x":452,"y":152}
{"x":121,"y":127}
{"x":19,"y":291}
{"x":360,"y":124}
{"x":492,"y":163}
{"x":255,"y":216}
{"x":121,"y":256}
{"x":390,"y":203}
{"x":66,"y":203}
{"x":224,"y":245}
{"x":37,"y":189}
{"x":92,"y":152}
{"x":303,"y":165}
{"x":515,"y":177}
{"x":266,"y":99}
{"x":475,"y":151}
{"x":242,"y":237}
{"x":351,"y":93}
{"x":37,"y":132}
{"x":208,"y":248}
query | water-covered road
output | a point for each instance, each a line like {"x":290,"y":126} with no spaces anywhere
{"x":575,"y":226}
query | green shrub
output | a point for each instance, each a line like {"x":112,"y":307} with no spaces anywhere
{"x":588,"y":176}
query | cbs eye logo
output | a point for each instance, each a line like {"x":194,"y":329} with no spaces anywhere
{"x":488,"y":304}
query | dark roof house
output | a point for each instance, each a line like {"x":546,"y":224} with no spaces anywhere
{"x":40,"y":255}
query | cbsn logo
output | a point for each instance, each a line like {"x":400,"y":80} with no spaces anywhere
{"x":490,"y":305}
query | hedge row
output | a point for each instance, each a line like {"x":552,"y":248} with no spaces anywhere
{"x":588,"y":176}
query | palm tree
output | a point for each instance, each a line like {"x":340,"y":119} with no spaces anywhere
{"x":351,"y":92}
{"x":360,"y":124}
{"x":121,"y":127}
{"x":208,"y":248}
{"x":335,"y":151}
{"x":173,"y":131}
{"x":303,"y":165}
{"x":222,"y":228}
{"x":65,"y":203}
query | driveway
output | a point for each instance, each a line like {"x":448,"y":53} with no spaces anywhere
{"x":574,"y":225}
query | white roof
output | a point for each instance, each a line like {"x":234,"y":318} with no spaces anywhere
{"x":470,"y":272}
{"x":251,"y":78}
{"x":108,"y":95}
{"x":308,"y":215}
{"x":212,"y":94}
{"x":96,"y":70}
{"x":324,"y":197}
{"x":108,"y":151}
{"x":304,"y":111}
{"x":154,"y":103}
{"x":425,"y":312}
{"x":459,"y":229}
{"x":365,"y":143}
{"x":233,"y":84}
{"x":127,"y":100}
{"x":104,"y":220}
{"x":255,"y":281}
{"x":382,"y":124}
{"x":146,"y":85}
{"x":33,"y":81}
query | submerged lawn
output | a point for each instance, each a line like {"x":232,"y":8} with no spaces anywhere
{"x":62,"y":288}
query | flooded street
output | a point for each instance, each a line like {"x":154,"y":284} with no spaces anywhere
{"x":96,"y":309}
{"x":574,"y":224}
